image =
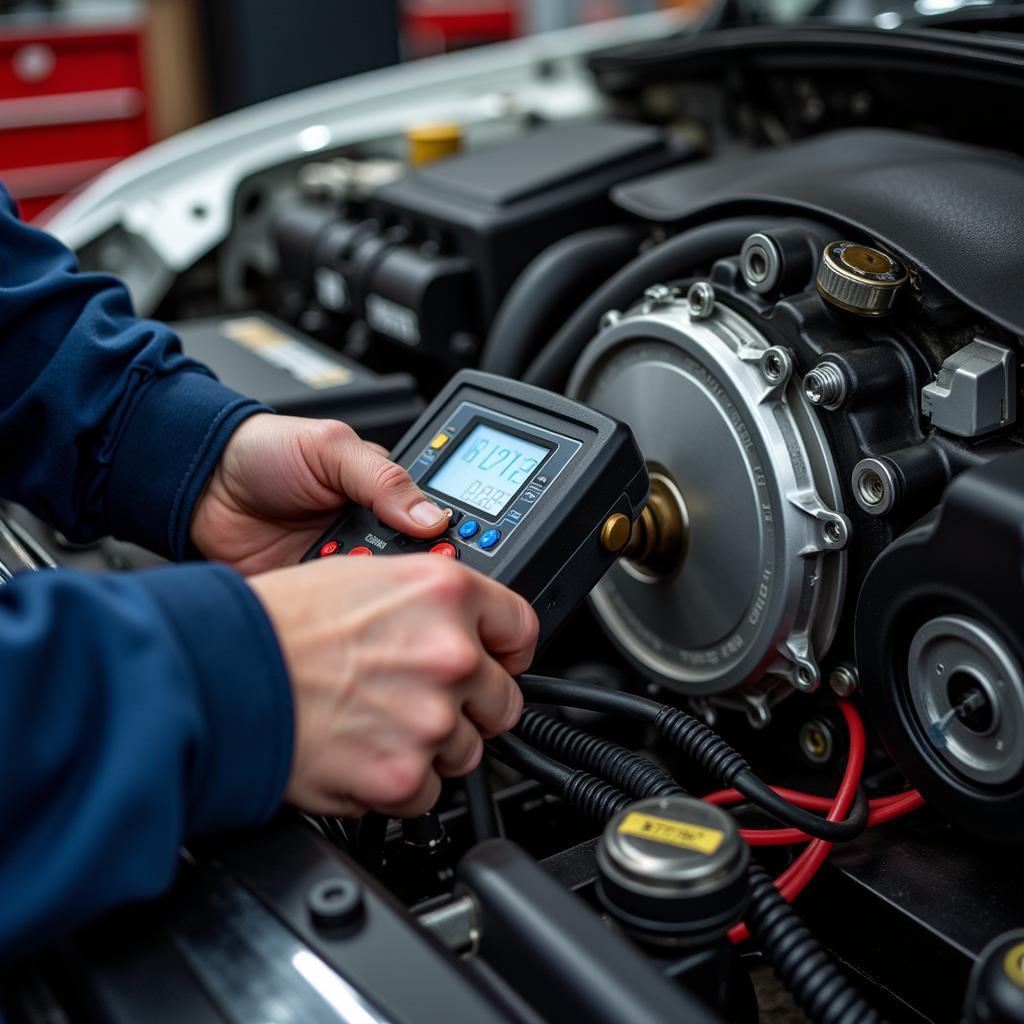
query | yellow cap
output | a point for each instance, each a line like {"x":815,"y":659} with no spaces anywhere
{"x":430,"y":142}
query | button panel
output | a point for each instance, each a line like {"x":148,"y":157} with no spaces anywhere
{"x":469,"y":529}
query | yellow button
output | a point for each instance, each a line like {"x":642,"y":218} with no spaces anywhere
{"x":439,"y":442}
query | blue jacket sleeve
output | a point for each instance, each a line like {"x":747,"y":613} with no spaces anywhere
{"x":135,"y":710}
{"x":105,"y":426}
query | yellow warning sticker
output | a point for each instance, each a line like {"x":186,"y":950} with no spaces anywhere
{"x":272,"y":345}
{"x":672,"y":833}
{"x":1014,"y":964}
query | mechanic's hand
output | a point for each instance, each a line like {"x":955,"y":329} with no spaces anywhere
{"x":398,"y":665}
{"x":280,"y":483}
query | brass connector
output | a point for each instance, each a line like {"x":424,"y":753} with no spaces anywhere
{"x":656,"y":543}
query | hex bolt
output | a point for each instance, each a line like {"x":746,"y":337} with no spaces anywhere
{"x":700,"y":300}
{"x":843,"y":681}
{"x":825,"y":386}
{"x":336,"y":902}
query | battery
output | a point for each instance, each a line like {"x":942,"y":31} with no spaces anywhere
{"x":259,"y":356}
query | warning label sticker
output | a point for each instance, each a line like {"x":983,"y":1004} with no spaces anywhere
{"x":672,"y":833}
{"x":273,"y":346}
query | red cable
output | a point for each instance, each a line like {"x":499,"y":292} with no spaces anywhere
{"x":796,"y":877}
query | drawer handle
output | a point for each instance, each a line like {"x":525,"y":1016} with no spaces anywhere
{"x":71,"y":108}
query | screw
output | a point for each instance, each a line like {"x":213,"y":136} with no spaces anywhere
{"x":659,"y":295}
{"x":844,"y":681}
{"x":776,"y":365}
{"x":610,"y":319}
{"x":835,"y":533}
{"x":806,"y":678}
{"x":700,"y":300}
{"x":825,"y":386}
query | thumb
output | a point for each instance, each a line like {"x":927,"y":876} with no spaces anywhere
{"x":374,"y":481}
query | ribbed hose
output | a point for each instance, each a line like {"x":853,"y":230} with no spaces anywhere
{"x":802,"y":965}
{"x":707,"y":748}
{"x":593,"y":796}
{"x":698,"y":742}
{"x":633,"y":773}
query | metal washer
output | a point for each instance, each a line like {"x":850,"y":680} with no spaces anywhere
{"x":762,"y":586}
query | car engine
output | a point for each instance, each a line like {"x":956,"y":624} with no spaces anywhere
{"x":788,"y":259}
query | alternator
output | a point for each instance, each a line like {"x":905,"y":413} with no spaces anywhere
{"x":757,"y":593}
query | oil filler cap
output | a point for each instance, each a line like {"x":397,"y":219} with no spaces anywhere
{"x":673,"y":869}
{"x":859,"y":279}
{"x":995,"y":994}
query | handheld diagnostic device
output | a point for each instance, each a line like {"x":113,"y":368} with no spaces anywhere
{"x":543,"y":491}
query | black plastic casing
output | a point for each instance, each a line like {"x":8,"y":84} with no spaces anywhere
{"x":554,"y":556}
{"x":965,"y":558}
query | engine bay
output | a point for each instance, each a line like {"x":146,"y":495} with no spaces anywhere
{"x":793,"y":272}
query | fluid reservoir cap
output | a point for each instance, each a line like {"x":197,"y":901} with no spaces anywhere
{"x":995,"y":994}
{"x":674,"y":869}
{"x":430,"y":142}
{"x":860,"y":279}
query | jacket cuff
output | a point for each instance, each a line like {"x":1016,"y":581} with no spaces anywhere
{"x":168,"y":448}
{"x":244,"y":760}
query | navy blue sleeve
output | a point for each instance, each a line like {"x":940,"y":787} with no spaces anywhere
{"x":105,"y":426}
{"x":135,"y":711}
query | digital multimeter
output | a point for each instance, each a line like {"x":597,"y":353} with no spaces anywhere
{"x":543,"y":491}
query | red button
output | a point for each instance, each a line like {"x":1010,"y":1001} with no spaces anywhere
{"x":360,"y":551}
{"x":330,"y":548}
{"x":446,"y":549}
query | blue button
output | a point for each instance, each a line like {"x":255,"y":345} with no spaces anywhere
{"x":470,"y":528}
{"x":490,"y":539}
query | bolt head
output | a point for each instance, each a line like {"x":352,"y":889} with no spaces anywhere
{"x":843,"y":681}
{"x":700,"y":300}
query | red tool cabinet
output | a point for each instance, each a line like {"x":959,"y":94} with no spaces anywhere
{"x":73,"y":101}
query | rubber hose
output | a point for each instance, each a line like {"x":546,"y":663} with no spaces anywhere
{"x":802,"y":965}
{"x":633,"y":773}
{"x":548,"y":290}
{"x":483,"y":815}
{"x":675,"y":258}
{"x":696,"y":740}
{"x":593,"y":796}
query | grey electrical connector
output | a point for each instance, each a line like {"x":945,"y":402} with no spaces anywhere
{"x":975,"y":391}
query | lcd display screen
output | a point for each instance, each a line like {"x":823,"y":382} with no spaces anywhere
{"x":488,"y":469}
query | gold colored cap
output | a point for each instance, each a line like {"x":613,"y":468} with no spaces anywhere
{"x":430,"y":142}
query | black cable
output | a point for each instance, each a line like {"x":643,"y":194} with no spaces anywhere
{"x":593,"y":796}
{"x":633,"y":773}
{"x":483,"y":815}
{"x":369,"y":847}
{"x":675,"y":258}
{"x":550,"y":288}
{"x":701,"y":744}
{"x":803,"y":966}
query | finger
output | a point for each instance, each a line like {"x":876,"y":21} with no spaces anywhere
{"x":493,"y":701}
{"x":372,"y":480}
{"x":421,"y":802}
{"x":378,"y":449}
{"x":462,"y":753}
{"x":508,"y":626}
